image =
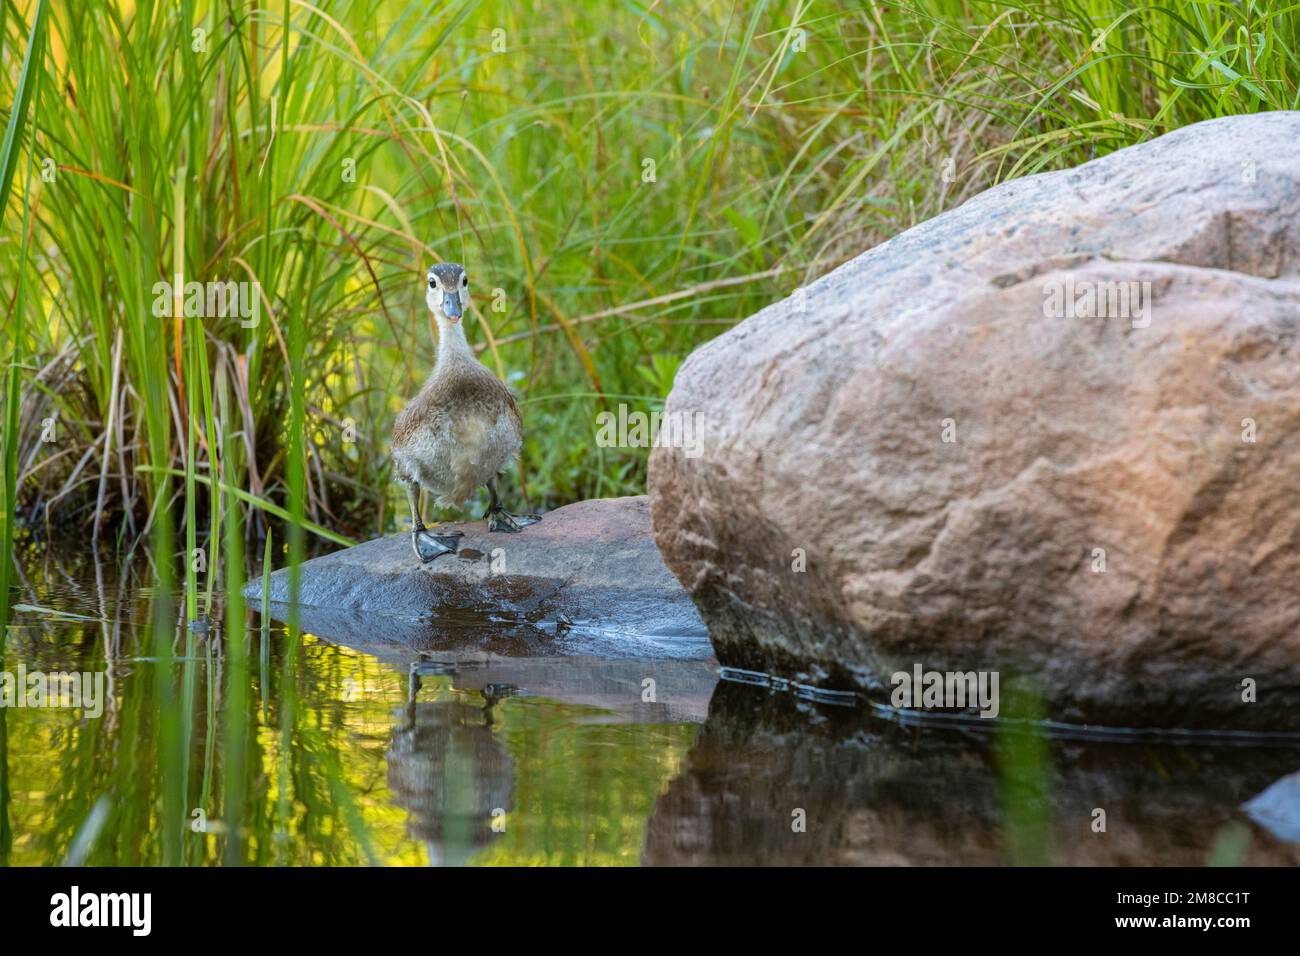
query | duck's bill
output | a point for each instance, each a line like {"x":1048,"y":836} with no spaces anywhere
{"x":451,"y":305}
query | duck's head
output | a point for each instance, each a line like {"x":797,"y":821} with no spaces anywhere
{"x":448,"y":291}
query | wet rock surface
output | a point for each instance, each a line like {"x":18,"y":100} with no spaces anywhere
{"x":925,"y":457}
{"x":586,"y":580}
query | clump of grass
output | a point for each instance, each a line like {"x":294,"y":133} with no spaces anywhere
{"x":11,"y":154}
{"x":621,"y":184}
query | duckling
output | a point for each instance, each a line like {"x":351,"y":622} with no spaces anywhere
{"x":462,"y":428}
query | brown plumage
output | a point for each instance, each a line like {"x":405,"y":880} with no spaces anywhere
{"x":461,"y":429}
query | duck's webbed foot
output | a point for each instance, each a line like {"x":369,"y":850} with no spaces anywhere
{"x":429,"y":544}
{"x":499,"y":519}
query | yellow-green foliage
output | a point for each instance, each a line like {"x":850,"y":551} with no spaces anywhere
{"x":332,"y":164}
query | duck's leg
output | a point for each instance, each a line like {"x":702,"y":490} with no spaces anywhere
{"x":427,"y":544}
{"x":501,"y":520}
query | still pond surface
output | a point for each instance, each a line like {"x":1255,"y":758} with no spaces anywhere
{"x":447,"y":752}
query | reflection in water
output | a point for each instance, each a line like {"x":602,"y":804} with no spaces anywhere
{"x":448,"y":770}
{"x":610,"y":762}
{"x":341,"y":764}
{"x":577,"y":781}
{"x":6,"y":830}
{"x":875,"y":793}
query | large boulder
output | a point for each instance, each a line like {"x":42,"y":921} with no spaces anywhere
{"x":942,"y":453}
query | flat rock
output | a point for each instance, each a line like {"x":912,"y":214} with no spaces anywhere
{"x":587,"y":580}
{"x":925,"y":458}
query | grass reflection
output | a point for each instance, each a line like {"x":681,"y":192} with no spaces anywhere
{"x":336,"y":763}
{"x":585,"y":788}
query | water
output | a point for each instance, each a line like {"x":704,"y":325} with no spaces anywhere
{"x":460,"y":752}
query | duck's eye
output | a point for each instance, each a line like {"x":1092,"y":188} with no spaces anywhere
{"x":433,"y":282}
{"x":464,"y":282}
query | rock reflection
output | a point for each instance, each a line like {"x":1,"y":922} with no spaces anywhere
{"x":447,"y":769}
{"x":875,"y":793}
